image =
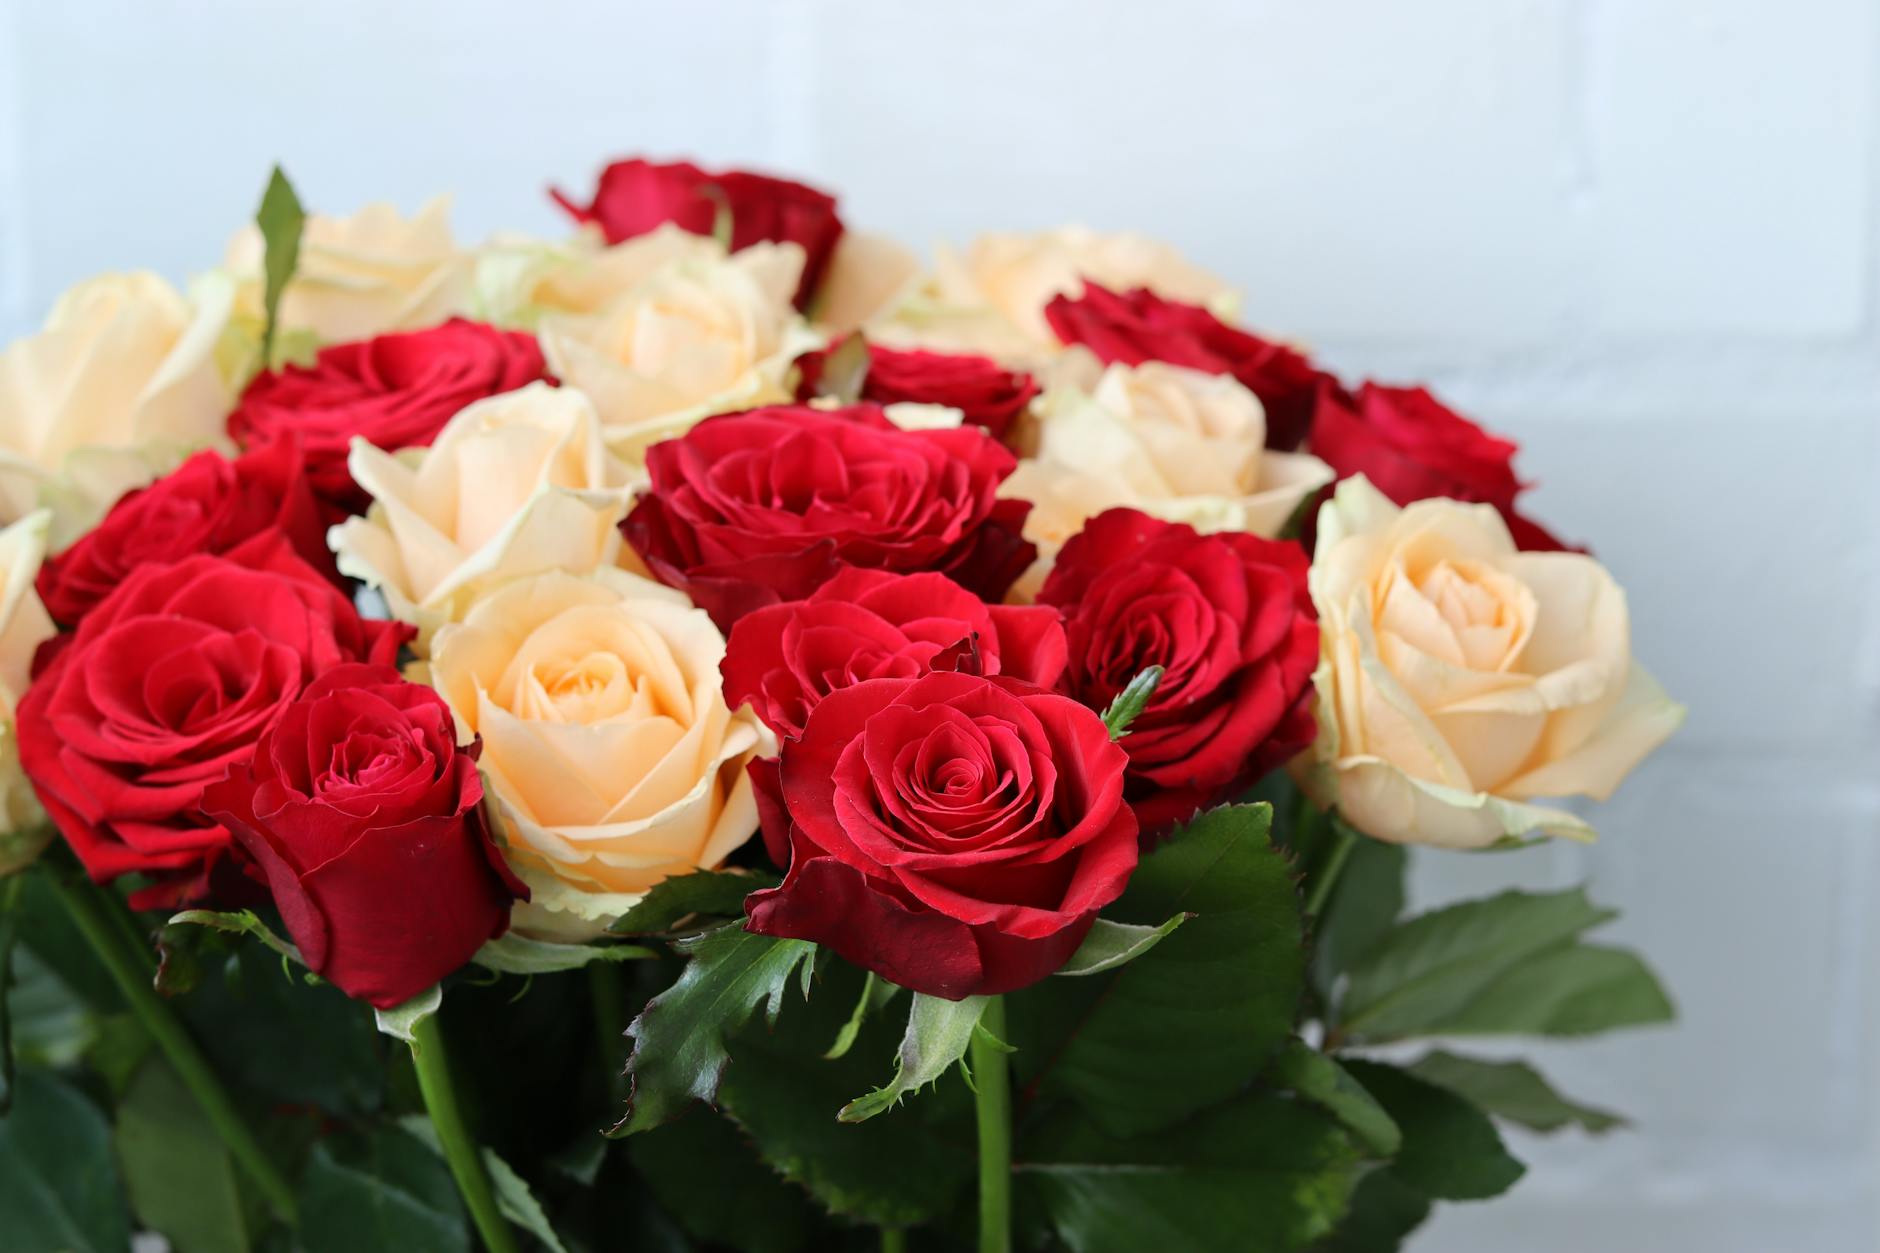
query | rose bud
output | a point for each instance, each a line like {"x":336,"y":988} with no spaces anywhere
{"x":955,"y":834}
{"x":985,"y":393}
{"x":367,"y":819}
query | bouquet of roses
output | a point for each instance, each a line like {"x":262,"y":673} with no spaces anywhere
{"x":794,"y":749}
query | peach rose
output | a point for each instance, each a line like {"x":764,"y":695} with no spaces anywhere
{"x":520,"y":280}
{"x":611,"y":757}
{"x":1460,"y":679}
{"x":24,"y":626}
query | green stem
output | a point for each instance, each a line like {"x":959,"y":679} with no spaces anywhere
{"x":610,"y":1026}
{"x":1330,"y":866}
{"x":992,"y":1078}
{"x":92,"y":909}
{"x":893,"y":1240}
{"x":460,"y":1151}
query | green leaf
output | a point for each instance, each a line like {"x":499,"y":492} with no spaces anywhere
{"x":1450,"y":1148}
{"x":710,"y":1179}
{"x":9,"y":936}
{"x":178,"y":1173}
{"x":1260,"y":1172}
{"x":845,"y":371}
{"x":1423,"y":973}
{"x":1131,"y":701}
{"x":876,"y":993}
{"x":58,"y":1180}
{"x":1112,"y":944}
{"x":240,"y":922}
{"x":1579,"y":990}
{"x":513,"y":954}
{"x":513,"y":1198}
{"x":281,"y":220}
{"x":401,"y":1021}
{"x":1513,"y":1090}
{"x":679,"y":1038}
{"x":385,"y":1192}
{"x":1142,"y":1046}
{"x":1365,"y":904}
{"x":1321,"y":1080}
{"x":938,"y":1032}
{"x":1384,"y":1210}
{"x":714,"y":893}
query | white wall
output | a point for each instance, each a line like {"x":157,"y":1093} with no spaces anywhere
{"x":1638,"y":235}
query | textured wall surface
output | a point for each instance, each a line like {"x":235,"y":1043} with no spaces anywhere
{"x":1638,"y":235}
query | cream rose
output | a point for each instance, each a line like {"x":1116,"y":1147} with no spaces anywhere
{"x":1461,"y":679}
{"x":514,"y":485}
{"x":520,"y":280}
{"x":1175,"y":443}
{"x":610,"y":755}
{"x":697,"y":337}
{"x":24,"y":626}
{"x":121,"y":384}
{"x":364,"y":275}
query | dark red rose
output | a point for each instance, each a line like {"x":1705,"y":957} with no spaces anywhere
{"x":396,"y":391}
{"x":1229,"y":619}
{"x":635,"y":196}
{"x":987,"y":393}
{"x":168,"y":682}
{"x":1413,"y":447}
{"x":955,"y":834}
{"x":1140,"y":326}
{"x":869,"y":624}
{"x":367,"y":820}
{"x":749,"y":509}
{"x":208,"y":504}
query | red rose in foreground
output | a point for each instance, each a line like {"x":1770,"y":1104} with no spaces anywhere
{"x":749,"y":509}
{"x":1140,"y":326}
{"x":169,"y":681}
{"x":954,"y":834}
{"x":368,"y":821}
{"x":208,"y":504}
{"x":1229,"y":619}
{"x":396,"y":391}
{"x":635,"y":196}
{"x":868,"y":624}
{"x":1413,"y":447}
{"x":987,"y":393}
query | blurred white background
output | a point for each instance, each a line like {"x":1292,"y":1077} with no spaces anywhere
{"x":1640,"y":236}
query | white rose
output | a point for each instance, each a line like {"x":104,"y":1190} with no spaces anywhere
{"x":521,"y":280}
{"x":24,"y":626}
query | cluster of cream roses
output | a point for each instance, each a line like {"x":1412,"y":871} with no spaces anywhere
{"x":1459,"y":679}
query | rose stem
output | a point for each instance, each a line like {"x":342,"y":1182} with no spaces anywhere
{"x":992,"y":1080}
{"x":1330,"y":866}
{"x":92,"y":909}
{"x":466,"y":1163}
{"x":893,"y":1240}
{"x":610,"y":998}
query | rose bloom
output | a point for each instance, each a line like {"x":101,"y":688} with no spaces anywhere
{"x":395,"y":391}
{"x":1141,"y":325}
{"x":363,"y":275}
{"x":1461,"y":679}
{"x":209,"y":504}
{"x":611,"y":757}
{"x":956,"y":834}
{"x":1171,"y":442}
{"x":514,"y":485}
{"x":520,"y":280}
{"x":636,"y":196}
{"x":749,"y":509}
{"x":168,"y":682}
{"x":120,"y":386}
{"x":869,"y":276}
{"x":24,"y":626}
{"x":979,"y":388}
{"x":1228,"y":618}
{"x":868,"y":624}
{"x":367,"y":820}
{"x":695,"y":338}
{"x":1412,"y":447}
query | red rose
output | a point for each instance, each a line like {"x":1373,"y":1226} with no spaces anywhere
{"x":1140,"y":326}
{"x":1229,"y":619}
{"x":396,"y":391}
{"x":748,"y":509}
{"x":955,"y":834}
{"x":368,"y":821}
{"x":979,"y":387}
{"x":635,"y":196}
{"x":168,"y":682}
{"x":208,"y":504}
{"x":1413,"y":447}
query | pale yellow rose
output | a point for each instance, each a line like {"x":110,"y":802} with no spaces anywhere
{"x":697,"y":337}
{"x":521,"y":280}
{"x":1460,"y":679}
{"x":514,"y":485}
{"x":120,"y":386}
{"x":868,"y":276}
{"x":1172,"y":442}
{"x":610,"y":756}
{"x":24,"y":626}
{"x":360,"y":276}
